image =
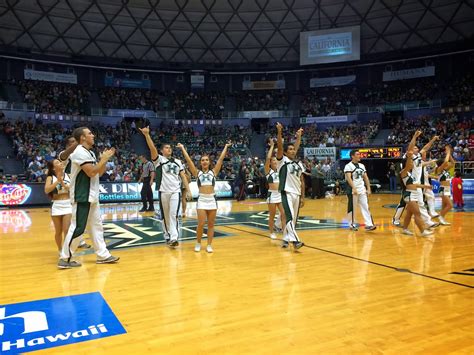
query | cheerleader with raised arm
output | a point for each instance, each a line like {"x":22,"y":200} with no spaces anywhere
{"x":274,"y":196}
{"x":207,"y":202}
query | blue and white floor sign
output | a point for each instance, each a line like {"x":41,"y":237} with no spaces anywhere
{"x":43,"y":324}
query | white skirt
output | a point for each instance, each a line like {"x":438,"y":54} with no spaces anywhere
{"x":207,"y":202}
{"x":61,"y":207}
{"x":273,"y":197}
{"x":444,"y":191}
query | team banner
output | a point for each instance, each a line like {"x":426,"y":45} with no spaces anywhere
{"x":31,"y":194}
{"x":320,"y":153}
{"x":408,"y":73}
{"x":333,"y":81}
{"x":127,"y":83}
{"x":31,"y":74}
{"x":197,"y":81}
{"x":324,"y":119}
{"x":263,"y":85}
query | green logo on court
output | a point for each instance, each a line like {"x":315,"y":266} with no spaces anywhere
{"x":148,"y":231}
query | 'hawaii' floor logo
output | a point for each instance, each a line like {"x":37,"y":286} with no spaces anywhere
{"x":148,"y":231}
{"x":43,"y":324}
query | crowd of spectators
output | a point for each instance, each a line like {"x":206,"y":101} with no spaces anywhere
{"x":35,"y":143}
{"x":329,"y":101}
{"x":55,"y":97}
{"x":461,"y":91}
{"x":193,"y":105}
{"x":262,"y":101}
{"x":133,"y":99}
{"x":453,"y":129}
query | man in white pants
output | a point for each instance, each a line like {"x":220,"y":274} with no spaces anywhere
{"x":291,"y":186}
{"x":84,"y":193}
{"x":168,"y":177}
{"x":358,"y":191}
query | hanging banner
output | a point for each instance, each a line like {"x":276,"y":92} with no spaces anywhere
{"x":197,"y":81}
{"x":320,"y":153}
{"x":263,"y":85}
{"x":408,"y":73}
{"x":127,"y":83}
{"x":31,"y":74}
{"x":324,"y":119}
{"x":333,"y":81}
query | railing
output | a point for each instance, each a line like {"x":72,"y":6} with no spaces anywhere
{"x":465,"y":167}
{"x":12,"y":106}
{"x":261,"y":114}
{"x":402,"y":106}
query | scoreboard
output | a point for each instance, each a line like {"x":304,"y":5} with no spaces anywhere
{"x":374,"y":153}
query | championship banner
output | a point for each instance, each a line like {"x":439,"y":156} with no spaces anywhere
{"x":31,"y":74}
{"x":127,"y":83}
{"x":333,"y":81}
{"x":320,"y":153}
{"x":263,"y":85}
{"x":197,"y":81}
{"x":31,"y":194}
{"x":408,"y":73}
{"x":324,"y":119}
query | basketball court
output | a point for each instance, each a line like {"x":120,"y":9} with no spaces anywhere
{"x":343,"y":292}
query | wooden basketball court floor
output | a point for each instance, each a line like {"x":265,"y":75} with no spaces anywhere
{"x":344,"y":292}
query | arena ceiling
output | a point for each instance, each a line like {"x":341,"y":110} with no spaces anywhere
{"x":223,"y":31}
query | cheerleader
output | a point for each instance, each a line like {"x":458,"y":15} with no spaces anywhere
{"x":207,"y":203}
{"x":274,"y":196}
{"x":57,"y":187}
{"x":409,"y":193}
{"x":445,"y":185}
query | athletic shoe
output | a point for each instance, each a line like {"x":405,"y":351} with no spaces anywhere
{"x":434,"y":216}
{"x":84,"y":245}
{"x":443,"y":221}
{"x":298,"y":245}
{"x":173,"y":243}
{"x":150,"y":210}
{"x":426,"y":233}
{"x":110,"y":260}
{"x":197,"y":248}
{"x":353,"y":228}
{"x":273,"y":236}
{"x":209,"y":249}
{"x":396,"y":223}
{"x":284,"y":245}
{"x":407,"y":232}
{"x":63,"y":264}
{"x":371,"y":228}
{"x":143,"y":209}
{"x":434,"y":225}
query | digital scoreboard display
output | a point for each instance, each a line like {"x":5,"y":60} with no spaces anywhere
{"x":374,"y":153}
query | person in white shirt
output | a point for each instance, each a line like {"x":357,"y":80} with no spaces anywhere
{"x":291,"y":186}
{"x":168,"y":178}
{"x":358,"y":191}
{"x":207,"y":203}
{"x":84,"y":194}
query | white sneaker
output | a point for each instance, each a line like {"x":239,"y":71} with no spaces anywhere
{"x":273,"y":236}
{"x":407,"y":232}
{"x":443,"y":222}
{"x":426,"y":233}
{"x":396,"y":223}
{"x":209,"y":248}
{"x":197,"y":247}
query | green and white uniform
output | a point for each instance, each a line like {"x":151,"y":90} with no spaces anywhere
{"x":168,"y":183}
{"x":274,"y":196}
{"x":206,"y":201}
{"x":289,"y":172}
{"x":445,"y":190}
{"x":357,"y":171}
{"x":84,"y":194}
